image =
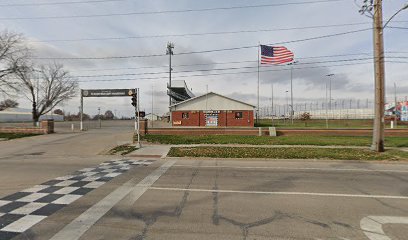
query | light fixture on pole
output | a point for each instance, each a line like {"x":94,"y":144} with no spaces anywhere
{"x":395,"y":14}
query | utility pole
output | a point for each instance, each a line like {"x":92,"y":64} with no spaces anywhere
{"x":373,"y":8}
{"x":378,"y":129}
{"x":170,"y":47}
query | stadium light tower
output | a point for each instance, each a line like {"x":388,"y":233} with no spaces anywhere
{"x":170,"y":47}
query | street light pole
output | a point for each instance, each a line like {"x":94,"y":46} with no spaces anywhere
{"x":287,"y":103}
{"x":272,"y":103}
{"x":327,"y":114}
{"x":291,"y":91}
{"x":328,"y":101}
{"x":330,"y":95}
{"x":99,"y":117}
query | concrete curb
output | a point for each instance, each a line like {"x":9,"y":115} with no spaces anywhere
{"x":290,"y":160}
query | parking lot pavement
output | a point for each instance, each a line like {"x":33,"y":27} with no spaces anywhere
{"x":247,"y":199}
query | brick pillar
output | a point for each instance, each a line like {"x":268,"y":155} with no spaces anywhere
{"x":47,"y":125}
{"x":143,"y":127}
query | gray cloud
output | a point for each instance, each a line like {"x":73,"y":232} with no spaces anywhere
{"x":349,"y":82}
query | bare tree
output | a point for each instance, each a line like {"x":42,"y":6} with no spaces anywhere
{"x":109,"y":115}
{"x":13,"y":56}
{"x":8,"y":103}
{"x":46,"y":87}
{"x":59,"y":112}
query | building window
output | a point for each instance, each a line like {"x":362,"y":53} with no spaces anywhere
{"x":184,"y":115}
{"x":238,"y":115}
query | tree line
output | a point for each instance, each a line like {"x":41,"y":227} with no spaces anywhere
{"x":44,"y":85}
{"x":76,"y":117}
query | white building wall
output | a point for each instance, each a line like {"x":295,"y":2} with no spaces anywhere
{"x":363,"y":113}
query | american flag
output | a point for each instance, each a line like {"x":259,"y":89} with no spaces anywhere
{"x":276,"y":55}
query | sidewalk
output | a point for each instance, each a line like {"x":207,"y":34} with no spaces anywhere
{"x":151,"y":150}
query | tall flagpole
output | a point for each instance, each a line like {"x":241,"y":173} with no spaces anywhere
{"x":257,"y":110}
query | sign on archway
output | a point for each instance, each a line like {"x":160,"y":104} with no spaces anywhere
{"x":133,"y":93}
{"x":108,"y":92}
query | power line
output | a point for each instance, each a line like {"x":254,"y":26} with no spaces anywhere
{"x":218,"y":63}
{"x":231,"y":73}
{"x":397,"y":27}
{"x":99,"y":58}
{"x":203,"y":51}
{"x":284,"y":42}
{"x":216,"y":69}
{"x":219,"y":74}
{"x":172,"y":11}
{"x":202,"y":34}
{"x":56,"y":3}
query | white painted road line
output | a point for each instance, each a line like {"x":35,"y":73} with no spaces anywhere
{"x":283,"y":193}
{"x":297,"y":168}
{"x":372,"y":225}
{"x":81,"y":224}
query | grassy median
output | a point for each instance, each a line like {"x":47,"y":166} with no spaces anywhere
{"x":287,"y":153}
{"x":321,"y":123}
{"x":281,"y":140}
{"x":122,"y":150}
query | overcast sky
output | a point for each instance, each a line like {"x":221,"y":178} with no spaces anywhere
{"x":316,"y":58}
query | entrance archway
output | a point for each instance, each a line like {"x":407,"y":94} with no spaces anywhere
{"x":133,"y":93}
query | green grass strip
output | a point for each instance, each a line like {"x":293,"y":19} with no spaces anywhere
{"x":122,"y":149}
{"x":287,"y":153}
{"x":16,"y":135}
{"x":281,"y":140}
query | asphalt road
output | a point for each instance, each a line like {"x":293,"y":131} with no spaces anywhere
{"x":193,"y":199}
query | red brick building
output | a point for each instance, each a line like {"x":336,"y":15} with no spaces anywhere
{"x":212,"y":110}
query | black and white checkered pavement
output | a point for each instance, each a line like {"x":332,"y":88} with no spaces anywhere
{"x":22,"y":210}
